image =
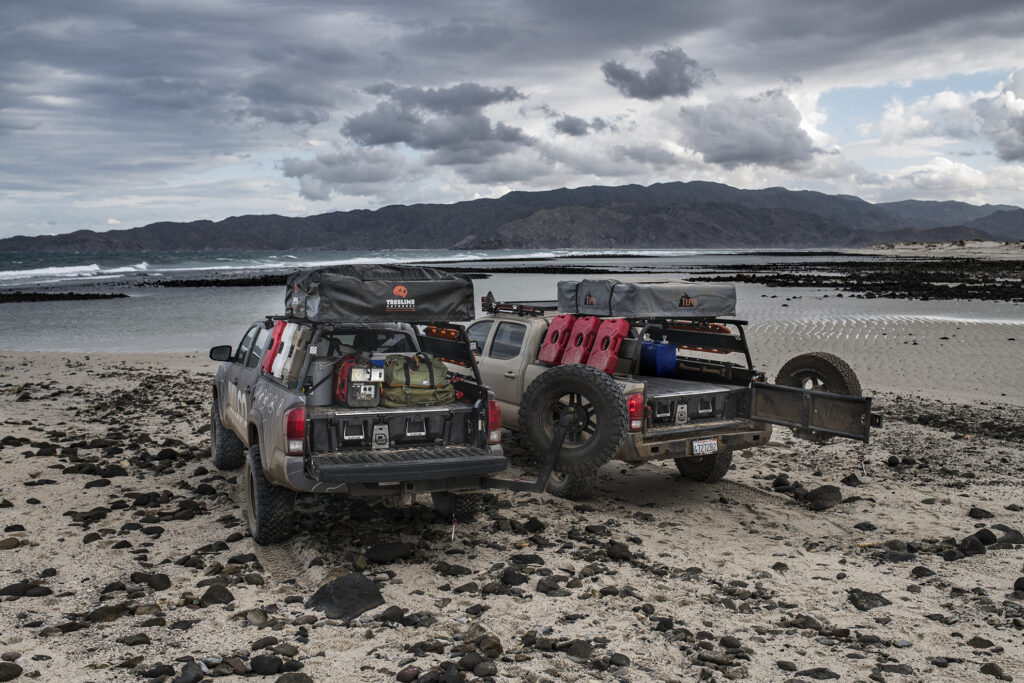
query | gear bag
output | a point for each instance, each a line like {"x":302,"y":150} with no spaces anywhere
{"x":400,"y":397}
{"x":418,"y":372}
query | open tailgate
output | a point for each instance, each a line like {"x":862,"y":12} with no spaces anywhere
{"x":817,"y":411}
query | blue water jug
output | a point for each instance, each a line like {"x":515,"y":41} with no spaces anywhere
{"x":657,"y":358}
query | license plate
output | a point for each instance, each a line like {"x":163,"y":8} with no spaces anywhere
{"x":705,"y":446}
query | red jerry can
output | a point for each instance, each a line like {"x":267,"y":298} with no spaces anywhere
{"x":583,"y":333}
{"x":556,"y":339}
{"x":605,"y":354}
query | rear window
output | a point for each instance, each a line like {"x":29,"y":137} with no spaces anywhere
{"x":366,"y":341}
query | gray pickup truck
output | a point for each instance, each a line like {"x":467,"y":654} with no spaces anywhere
{"x":273,"y":411}
{"x":708,"y":403}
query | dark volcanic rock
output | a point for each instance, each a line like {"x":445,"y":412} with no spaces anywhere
{"x":979,"y":513}
{"x":824,"y":497}
{"x":818,"y":673}
{"x":216,"y":595}
{"x":9,"y":671}
{"x":384,"y":553}
{"x":863,"y":600}
{"x":347,"y":597}
{"x":971,"y":545}
{"x":266,"y":665}
{"x":1018,"y":585}
{"x":619,"y":551}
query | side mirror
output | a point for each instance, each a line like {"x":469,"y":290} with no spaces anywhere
{"x":220,"y":353}
{"x":474,"y":346}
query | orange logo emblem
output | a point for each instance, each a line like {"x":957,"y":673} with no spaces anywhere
{"x":400,"y":291}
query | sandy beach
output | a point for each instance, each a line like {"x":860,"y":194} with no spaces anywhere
{"x":125,"y":555}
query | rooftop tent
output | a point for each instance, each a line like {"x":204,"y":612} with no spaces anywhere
{"x":665,"y":299}
{"x":378,"y":293}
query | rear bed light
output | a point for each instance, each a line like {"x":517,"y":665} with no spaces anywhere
{"x":295,"y":430}
{"x":493,"y":422}
{"x":636,"y":411}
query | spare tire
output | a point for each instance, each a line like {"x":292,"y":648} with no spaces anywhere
{"x":818,"y":371}
{"x":599,"y":423}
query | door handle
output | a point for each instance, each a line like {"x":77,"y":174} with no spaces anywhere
{"x":510,"y":374}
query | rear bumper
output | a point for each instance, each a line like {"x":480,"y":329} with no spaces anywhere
{"x":678,"y":443}
{"x":430,"y":468}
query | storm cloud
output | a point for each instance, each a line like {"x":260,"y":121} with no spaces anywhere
{"x":449,"y":122}
{"x":674,"y":74}
{"x":763,"y":130}
{"x":140,"y":112}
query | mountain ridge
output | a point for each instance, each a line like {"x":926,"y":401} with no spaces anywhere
{"x":676,"y":214}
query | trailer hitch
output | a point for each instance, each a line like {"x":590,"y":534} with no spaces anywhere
{"x":565,"y":418}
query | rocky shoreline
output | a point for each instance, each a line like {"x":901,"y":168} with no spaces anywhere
{"x":124,"y":556}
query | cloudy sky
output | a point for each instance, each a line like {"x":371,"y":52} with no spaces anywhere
{"x":117,"y":113}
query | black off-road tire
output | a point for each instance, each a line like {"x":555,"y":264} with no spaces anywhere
{"x":819,"y":371}
{"x":576,"y":486}
{"x":227,"y":449}
{"x":462,"y":506}
{"x":596,"y":437}
{"x":706,"y":468}
{"x":271,"y":509}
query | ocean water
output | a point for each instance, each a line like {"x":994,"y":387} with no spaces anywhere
{"x":177,"y":319}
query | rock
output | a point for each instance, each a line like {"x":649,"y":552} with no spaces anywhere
{"x":294,"y":677}
{"x":619,"y":551}
{"x":863,"y":600}
{"x":986,"y":536}
{"x":9,"y":543}
{"x":216,"y":595}
{"x":865,"y":526}
{"x":9,"y":671}
{"x":578,"y":648}
{"x":980,"y":643}
{"x":729,"y":642}
{"x":265,"y":665}
{"x":408,"y":674}
{"x":850,"y":480}
{"x":134,"y":639}
{"x":394,"y":613}
{"x":619,"y":659}
{"x":526,"y":558}
{"x":445,"y":569}
{"x":979,"y":513}
{"x":971,"y":545}
{"x":785,"y":665}
{"x":385,"y":553}
{"x":346,"y":598}
{"x":159,"y":582}
{"x":485,"y":668}
{"x":511,"y":577}
{"x":992,"y":669}
{"x":106,"y":613}
{"x":1018,"y":585}
{"x":921,"y":572}
{"x":819,"y":673}
{"x":902,"y":643}
{"x":190,"y":673}
{"x":534,"y":525}
{"x":824,"y":497}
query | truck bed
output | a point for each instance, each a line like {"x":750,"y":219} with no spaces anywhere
{"x":682,"y":404}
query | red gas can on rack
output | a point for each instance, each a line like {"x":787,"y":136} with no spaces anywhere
{"x":584,"y":330}
{"x":556,"y":339}
{"x":275,"y":343}
{"x":605,"y":354}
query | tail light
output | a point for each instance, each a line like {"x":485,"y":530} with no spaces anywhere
{"x":295,"y":430}
{"x":635,"y":402}
{"x":493,"y":422}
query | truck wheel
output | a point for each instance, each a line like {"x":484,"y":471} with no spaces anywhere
{"x":576,"y":486}
{"x":271,"y":508}
{"x":707,"y":468}
{"x":818,"y":371}
{"x":462,"y":506}
{"x":227,"y":449}
{"x":600,"y":417}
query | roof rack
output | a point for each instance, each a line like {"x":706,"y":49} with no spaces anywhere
{"x":488,"y":304}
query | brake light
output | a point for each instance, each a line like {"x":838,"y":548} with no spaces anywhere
{"x":493,"y":422}
{"x":295,"y":430}
{"x":444,"y":333}
{"x":636,"y":411}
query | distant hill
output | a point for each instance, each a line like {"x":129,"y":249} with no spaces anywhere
{"x":667,"y":215}
{"x":921,"y":214}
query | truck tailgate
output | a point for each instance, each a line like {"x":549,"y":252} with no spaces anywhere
{"x":405,"y":464}
{"x":676,"y":403}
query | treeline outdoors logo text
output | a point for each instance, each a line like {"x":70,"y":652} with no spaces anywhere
{"x":400,"y":302}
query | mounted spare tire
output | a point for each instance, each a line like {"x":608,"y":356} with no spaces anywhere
{"x":818,"y":371}
{"x":598,"y":426}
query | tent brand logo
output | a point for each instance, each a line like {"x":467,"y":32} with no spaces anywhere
{"x":589,"y":300}
{"x":687,"y":302}
{"x":401,"y":302}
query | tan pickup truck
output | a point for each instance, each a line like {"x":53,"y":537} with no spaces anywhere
{"x":711,"y":403}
